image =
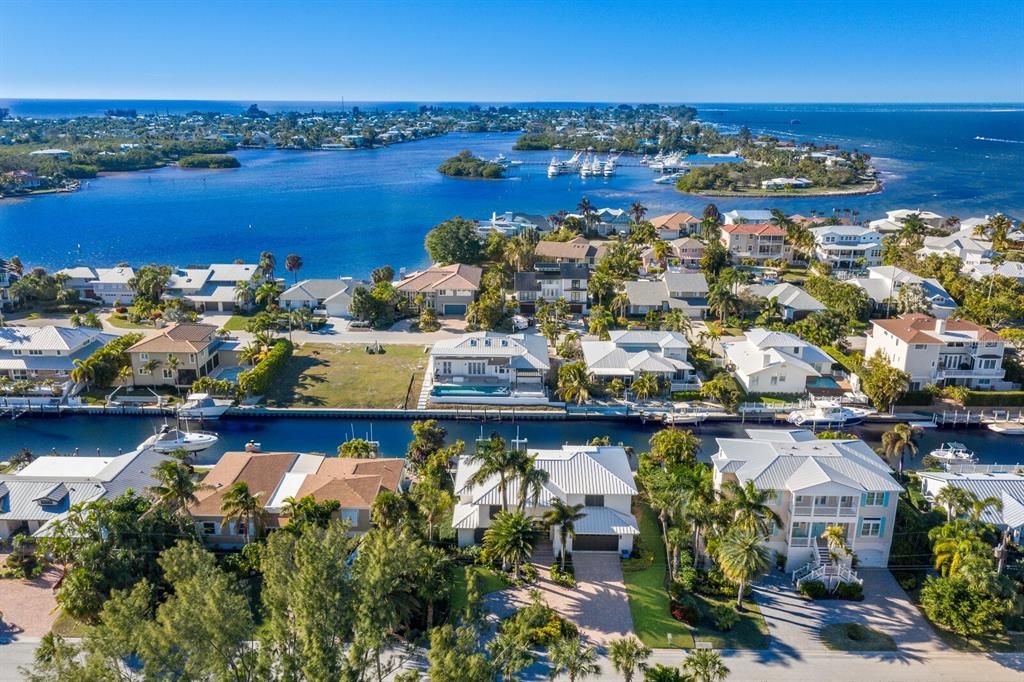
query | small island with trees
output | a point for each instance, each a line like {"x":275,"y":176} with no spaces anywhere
{"x":465,"y":165}
{"x":209,"y":161}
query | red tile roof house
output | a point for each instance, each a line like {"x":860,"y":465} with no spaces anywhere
{"x":756,"y":241}
{"x":448,"y":289}
{"x":277,"y":476}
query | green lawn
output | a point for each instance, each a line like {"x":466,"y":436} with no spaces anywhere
{"x":340,"y":376}
{"x":489,"y":582}
{"x":648,"y":596}
{"x":750,"y":632}
{"x":127,"y":324}
{"x":236,"y":323}
{"x":855,"y":637}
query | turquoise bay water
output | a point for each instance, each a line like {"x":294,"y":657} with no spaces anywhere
{"x":348,"y":212}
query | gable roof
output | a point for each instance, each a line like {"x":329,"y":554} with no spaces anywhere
{"x":760,"y":229}
{"x":577,"y":248}
{"x":674,"y":221}
{"x":788,"y":295}
{"x":181,"y":337}
{"x":455,"y":276}
{"x":315,"y":289}
{"x":1007,"y":487}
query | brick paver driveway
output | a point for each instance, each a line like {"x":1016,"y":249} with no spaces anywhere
{"x":598,"y":604}
{"x":794,"y":622}
{"x":28,"y":606}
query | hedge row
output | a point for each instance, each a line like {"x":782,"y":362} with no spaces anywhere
{"x":916,"y":398}
{"x":257,"y":380}
{"x":1003,"y":398}
{"x":847,"y":361}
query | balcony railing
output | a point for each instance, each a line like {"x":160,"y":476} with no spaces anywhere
{"x":823,"y":510}
{"x":802,"y":509}
{"x":969,"y":373}
{"x":847,"y":511}
{"x":800,"y":542}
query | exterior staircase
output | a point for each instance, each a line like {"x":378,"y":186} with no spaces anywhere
{"x":822,"y":567}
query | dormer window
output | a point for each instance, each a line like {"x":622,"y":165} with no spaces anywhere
{"x":472,"y":342}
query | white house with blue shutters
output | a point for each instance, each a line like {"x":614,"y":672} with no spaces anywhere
{"x":816,"y":484}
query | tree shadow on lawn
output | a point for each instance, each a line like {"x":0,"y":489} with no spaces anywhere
{"x":295,"y":377}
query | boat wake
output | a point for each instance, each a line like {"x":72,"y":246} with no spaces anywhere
{"x":997,"y":139}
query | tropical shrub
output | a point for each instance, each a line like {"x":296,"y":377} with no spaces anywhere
{"x":258,"y":380}
{"x":538,"y":625}
{"x":813,"y":589}
{"x":564,"y":578}
{"x":850,"y":591}
{"x":686,"y":609}
{"x":724,"y":617}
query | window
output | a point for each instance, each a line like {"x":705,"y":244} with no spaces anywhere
{"x":988,"y":364}
{"x":593,"y":500}
{"x":874,"y":499}
{"x":476,"y":368}
{"x":446,"y":367}
{"x":821,"y":500}
{"x":16,"y":352}
{"x":143,"y":371}
{"x":209,"y":528}
{"x":493,"y":510}
{"x":919,"y":346}
{"x":35,"y":352}
{"x":144,"y":357}
{"x":871,"y":528}
{"x":472,"y":343}
{"x":192,"y":358}
{"x":168,"y":374}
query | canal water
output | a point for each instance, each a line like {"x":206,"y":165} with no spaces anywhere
{"x":108,"y":434}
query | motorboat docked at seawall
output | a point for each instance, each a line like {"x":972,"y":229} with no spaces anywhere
{"x":1008,"y":428}
{"x":202,"y":406}
{"x":169,"y":440}
{"x":829,"y":415}
{"x":952,"y":452}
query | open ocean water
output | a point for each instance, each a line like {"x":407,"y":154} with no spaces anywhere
{"x":348,"y":212}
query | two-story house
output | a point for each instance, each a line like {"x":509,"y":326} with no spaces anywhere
{"x":815,"y":484}
{"x":628,"y":354}
{"x":447,"y":289}
{"x":685,"y":291}
{"x":969,"y":247}
{"x":775,"y":362}
{"x":740,"y":216}
{"x":684,"y":252}
{"x":111,"y":285}
{"x":597,"y":477}
{"x":195,"y":348}
{"x":756,"y":241}
{"x":41,"y":353}
{"x":675,"y":225}
{"x":79,"y":278}
{"x":940,"y":352}
{"x":278,"y":476}
{"x":884,"y":282}
{"x":893,"y":220}
{"x":1005,"y":483}
{"x":550,"y":282}
{"x":6,"y":279}
{"x":488,"y":368}
{"x":847,"y":247}
{"x":576,"y":250}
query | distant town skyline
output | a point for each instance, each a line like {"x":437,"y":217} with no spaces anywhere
{"x":451,"y":50}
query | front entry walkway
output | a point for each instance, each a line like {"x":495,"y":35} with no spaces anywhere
{"x":598,"y":604}
{"x":794,"y":622}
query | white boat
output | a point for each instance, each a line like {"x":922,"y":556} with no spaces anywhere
{"x":666,"y":179}
{"x":1008,"y":428}
{"x":829,"y":415}
{"x":169,"y":440}
{"x":952,"y":452}
{"x":609,"y":168}
{"x":202,"y":406}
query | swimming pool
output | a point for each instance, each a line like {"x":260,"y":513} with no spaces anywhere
{"x":470,"y":390}
{"x":823,"y":383}
{"x":230,"y":374}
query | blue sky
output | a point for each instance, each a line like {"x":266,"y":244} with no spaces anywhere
{"x":694,"y":51}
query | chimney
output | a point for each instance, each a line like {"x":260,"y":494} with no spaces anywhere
{"x":940,"y":326}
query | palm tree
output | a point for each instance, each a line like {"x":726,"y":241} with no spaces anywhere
{"x":980,"y":506}
{"x":571,"y":656}
{"x":574,"y":383}
{"x":600,"y":322}
{"x":750,"y":510}
{"x":723,"y":302}
{"x":564,"y":516}
{"x":293,"y":263}
{"x":645,"y":386}
{"x":175,"y":489}
{"x":151,"y":366}
{"x":22,"y":458}
{"x":954,"y":543}
{"x":243,"y":293}
{"x":900,"y":440}
{"x":705,"y":665}
{"x":742,"y":558}
{"x":511,"y":538}
{"x":628,"y":656}
{"x":172,"y":363}
{"x":835,"y":539}
{"x":701,"y":510}
{"x":495,"y":459}
{"x":955,"y":500}
{"x":267,"y":264}
{"x":250,"y":353}
{"x":510,"y":655}
{"x":663,"y":493}
{"x":620,"y":304}
{"x":677,"y":321}
{"x":238,"y":504}
{"x":586,"y":210}
{"x":267,"y":293}
{"x":771,"y":309}
{"x":531,"y":480}
{"x":519,"y":252}
{"x":637,"y":211}
{"x":662,"y":250}
{"x":84,"y":372}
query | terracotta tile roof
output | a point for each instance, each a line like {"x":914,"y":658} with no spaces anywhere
{"x":455,"y":276}
{"x":921,"y":328}
{"x":577,"y":248}
{"x":184,"y":337}
{"x":261,"y":471}
{"x":763,"y":229}
{"x":675,"y":221}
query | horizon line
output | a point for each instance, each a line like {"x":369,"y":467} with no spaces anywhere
{"x":508,"y":101}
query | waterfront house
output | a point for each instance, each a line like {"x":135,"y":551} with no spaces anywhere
{"x":609,"y":221}
{"x":7,"y":278}
{"x":741,"y":216}
{"x":684,"y":252}
{"x":628,"y":354}
{"x":964,"y":244}
{"x":1010,"y":268}
{"x":47,"y":353}
{"x":884,"y":282}
{"x":1005,"y":483}
{"x":195,"y":347}
{"x":758,"y":242}
{"x":847,"y":247}
{"x":577,"y":250}
{"x":511,"y":224}
{"x":775,"y":362}
{"x":111,"y":285}
{"x":815,"y":484}
{"x":795,"y":302}
{"x":550,"y":282}
{"x":940,"y":352}
{"x":58,"y":154}
{"x":674,"y":225}
{"x":447,"y":289}
{"x":893,"y":220}
{"x":330,"y":297}
{"x":596,"y":476}
{"x":685,"y":291}
{"x":489,"y":368}
{"x":44,"y":491}
{"x":211,"y":288}
{"x":80,"y":278}
{"x":779,"y":184}
{"x":279,"y":476}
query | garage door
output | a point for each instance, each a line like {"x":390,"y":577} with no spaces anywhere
{"x":595,"y":543}
{"x":454,"y":309}
{"x":870,"y":557}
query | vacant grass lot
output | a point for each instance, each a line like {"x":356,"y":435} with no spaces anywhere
{"x":320,"y":375}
